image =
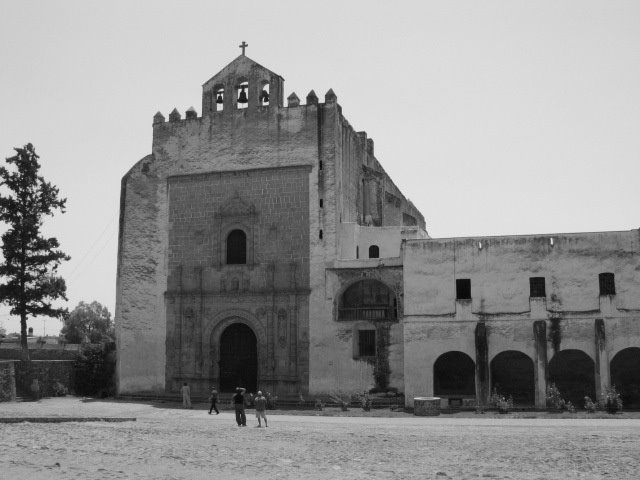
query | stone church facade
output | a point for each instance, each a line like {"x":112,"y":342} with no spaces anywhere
{"x":264,"y":245}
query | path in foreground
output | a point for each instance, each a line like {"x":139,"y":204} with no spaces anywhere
{"x":168,"y":443}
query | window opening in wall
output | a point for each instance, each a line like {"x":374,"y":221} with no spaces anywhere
{"x":237,"y":248}
{"x":320,"y":164}
{"x":219,"y":93}
{"x":320,"y":235}
{"x":537,"y":287}
{"x":374,"y":251}
{"x":243,"y":100}
{"x":367,"y":343}
{"x":264,"y":94}
{"x":357,"y":252}
{"x":321,"y":203}
{"x":463,"y":289}
{"x":607,"y":284}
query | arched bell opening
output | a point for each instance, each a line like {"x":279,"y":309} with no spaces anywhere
{"x":242,"y":98}
{"x":512,"y":375}
{"x":264,"y":94}
{"x":218,"y":92}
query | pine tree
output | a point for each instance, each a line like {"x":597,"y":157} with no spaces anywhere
{"x":28,"y":274}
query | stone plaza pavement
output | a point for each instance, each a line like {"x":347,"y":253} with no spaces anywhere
{"x":167,"y":442}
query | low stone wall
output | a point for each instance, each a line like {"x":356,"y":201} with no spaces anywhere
{"x":11,"y":351}
{"x":7,"y":381}
{"x":48,"y":372}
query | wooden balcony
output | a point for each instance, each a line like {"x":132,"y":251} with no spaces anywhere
{"x":369,"y":313}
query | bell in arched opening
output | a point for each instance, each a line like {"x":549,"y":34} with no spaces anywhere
{"x":242,"y":98}
{"x":219,"y":100}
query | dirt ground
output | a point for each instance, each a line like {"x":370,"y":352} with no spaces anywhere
{"x":167,"y":442}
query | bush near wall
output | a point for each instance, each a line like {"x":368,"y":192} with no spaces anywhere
{"x":94,"y":370}
{"x":7,"y":381}
{"x":48,"y":373}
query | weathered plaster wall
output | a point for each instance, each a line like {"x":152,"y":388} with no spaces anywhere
{"x":388,"y":240}
{"x":367,"y":195}
{"x":499,"y":269}
{"x":332,"y":348}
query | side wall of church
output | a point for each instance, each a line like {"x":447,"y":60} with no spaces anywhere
{"x":368,"y":196}
{"x":354,"y":189}
{"x":572,"y":315}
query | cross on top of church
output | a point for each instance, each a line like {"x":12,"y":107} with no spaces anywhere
{"x":243,"y":46}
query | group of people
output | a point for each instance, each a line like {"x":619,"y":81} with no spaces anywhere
{"x":259,"y":401}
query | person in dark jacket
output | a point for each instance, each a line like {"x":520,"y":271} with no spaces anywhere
{"x":238,"y":404}
{"x":214,"y":399}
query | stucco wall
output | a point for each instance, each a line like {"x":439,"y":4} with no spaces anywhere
{"x":388,"y":240}
{"x":332,"y":345}
{"x":499,"y":269}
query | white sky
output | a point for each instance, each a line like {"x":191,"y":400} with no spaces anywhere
{"x":493,"y":117}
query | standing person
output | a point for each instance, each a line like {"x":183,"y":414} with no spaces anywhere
{"x":186,"y":395}
{"x":261,"y":407}
{"x":35,"y":389}
{"x":238,"y":403}
{"x":214,"y":399}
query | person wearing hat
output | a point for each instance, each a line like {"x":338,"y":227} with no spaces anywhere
{"x":238,"y":403}
{"x":261,"y":407}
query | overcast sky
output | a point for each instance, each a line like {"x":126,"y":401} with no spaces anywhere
{"x":493,"y":117}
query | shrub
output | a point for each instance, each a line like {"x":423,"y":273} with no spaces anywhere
{"x":93,"y":371}
{"x":611,"y":400}
{"x":589,"y":405}
{"x":337,"y":398}
{"x":554,"y":398}
{"x":59,"y":390}
{"x":365,"y":402}
{"x":503,"y":404}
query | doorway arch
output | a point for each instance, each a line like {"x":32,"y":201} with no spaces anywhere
{"x":454,"y":374}
{"x":512,"y":374}
{"x":573,"y":372}
{"x":238,"y":358}
{"x":625,"y":375}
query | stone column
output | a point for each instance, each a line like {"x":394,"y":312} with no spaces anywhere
{"x":540,"y":367}
{"x":602,"y":359}
{"x":482,"y":364}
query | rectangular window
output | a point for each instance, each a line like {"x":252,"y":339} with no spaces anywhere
{"x":367,"y":343}
{"x":607,"y":284}
{"x":463,"y":289}
{"x":537,"y":287}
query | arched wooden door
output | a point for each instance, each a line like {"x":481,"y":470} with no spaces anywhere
{"x":238,"y":358}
